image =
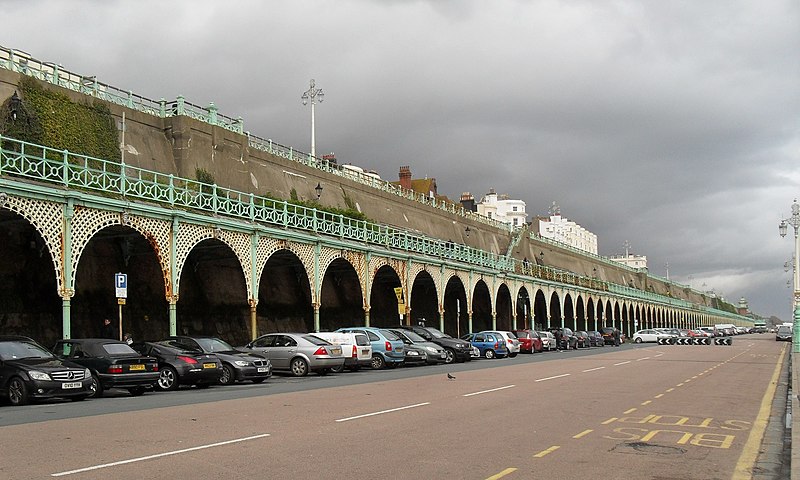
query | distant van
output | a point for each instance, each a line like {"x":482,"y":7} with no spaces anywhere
{"x":356,"y":348}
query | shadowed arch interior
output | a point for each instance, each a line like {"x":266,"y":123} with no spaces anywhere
{"x":481,"y":307}
{"x":284,"y":295}
{"x":456,"y":313}
{"x":424,"y":301}
{"x":341,"y":299}
{"x":382,"y":298}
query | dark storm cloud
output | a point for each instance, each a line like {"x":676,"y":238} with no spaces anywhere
{"x":669,"y":124}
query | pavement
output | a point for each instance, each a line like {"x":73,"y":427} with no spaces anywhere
{"x":795,"y":419}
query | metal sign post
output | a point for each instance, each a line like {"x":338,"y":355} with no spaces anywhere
{"x":121,"y":287}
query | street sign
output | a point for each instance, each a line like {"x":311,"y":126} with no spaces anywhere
{"x":121,"y":284}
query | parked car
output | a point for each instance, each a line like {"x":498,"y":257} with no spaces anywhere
{"x":512,"y":342}
{"x":298,"y":353}
{"x":650,"y":335}
{"x":236,"y":364}
{"x":181,"y":366}
{"x":565,"y":338}
{"x":434,"y":354}
{"x":709,"y":331}
{"x":455,"y":349}
{"x":387,"y":348}
{"x":113,"y":364}
{"x":583,"y":339}
{"x":784,"y":333}
{"x":356,"y":349}
{"x":529,"y":341}
{"x":29,"y":372}
{"x":608,"y":335}
{"x":490,"y":344}
{"x":548,"y":341}
{"x":596,"y":338}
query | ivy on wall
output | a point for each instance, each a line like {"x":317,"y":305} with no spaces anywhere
{"x":50,"y":118}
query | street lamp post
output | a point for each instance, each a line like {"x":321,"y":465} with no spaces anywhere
{"x":794,"y":221}
{"x":313,"y":94}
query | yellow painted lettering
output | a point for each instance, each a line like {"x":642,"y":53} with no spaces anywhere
{"x":706,"y":423}
{"x":685,"y":436}
{"x":713,"y":440}
{"x":736,"y":425}
{"x":626,"y":434}
{"x":635,"y":419}
{"x":666,"y":420}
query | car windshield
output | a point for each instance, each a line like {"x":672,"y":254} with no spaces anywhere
{"x":782,"y":329}
{"x":413,"y":336}
{"x":21,"y":349}
{"x":436,"y":333}
{"x":119,"y":349}
{"x":389,"y":334}
{"x":316,"y":340}
{"x":214,"y":345}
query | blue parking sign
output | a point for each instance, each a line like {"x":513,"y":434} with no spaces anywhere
{"x":121,"y":285}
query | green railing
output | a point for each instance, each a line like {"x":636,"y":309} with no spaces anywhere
{"x":49,"y":72}
{"x":79,"y":172}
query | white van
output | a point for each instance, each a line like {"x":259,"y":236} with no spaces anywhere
{"x":356,"y":349}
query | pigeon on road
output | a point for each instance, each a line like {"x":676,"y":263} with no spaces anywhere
{"x":450,"y":377}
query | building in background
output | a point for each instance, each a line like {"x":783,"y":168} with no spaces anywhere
{"x":631,"y":260}
{"x":561,"y":229}
{"x":502,"y":208}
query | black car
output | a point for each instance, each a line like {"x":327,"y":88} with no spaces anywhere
{"x":596,"y":338}
{"x":29,"y":372}
{"x":583,"y":339}
{"x":455,"y":349}
{"x":181,"y":366}
{"x":113,"y":364}
{"x":236,"y":364}
{"x":565,"y":339}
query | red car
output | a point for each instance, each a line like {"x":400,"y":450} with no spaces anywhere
{"x":529,"y":341}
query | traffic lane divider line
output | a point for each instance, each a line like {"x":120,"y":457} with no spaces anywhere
{"x":488,"y":391}
{"x":383,"y":411}
{"x":547,"y":452}
{"x":610,"y":420}
{"x":554,"y":377}
{"x":159,"y":455}
{"x":646,"y":402}
{"x":593,"y":369}
{"x":630,"y":410}
{"x":622,"y":363}
{"x":670,"y":389}
{"x":583,"y":433}
{"x":747,"y":459}
{"x":659,"y":395}
{"x":502,"y":474}
{"x":643,"y":358}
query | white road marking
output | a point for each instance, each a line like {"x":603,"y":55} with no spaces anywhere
{"x":158,"y":455}
{"x":593,"y":369}
{"x":488,"y":391}
{"x":383,"y":411}
{"x":644,"y":358}
{"x":622,"y":363}
{"x":551,"y":378}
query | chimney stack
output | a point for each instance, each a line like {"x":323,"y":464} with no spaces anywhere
{"x":405,"y":177}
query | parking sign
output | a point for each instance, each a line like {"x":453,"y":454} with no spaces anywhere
{"x":121,"y":284}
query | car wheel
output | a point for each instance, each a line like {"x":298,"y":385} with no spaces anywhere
{"x":378,"y":362}
{"x":338,"y":369}
{"x":489,"y":354}
{"x":168,"y":379}
{"x":449,"y":355}
{"x":137,"y":391}
{"x":512,"y":355}
{"x":228,"y":375}
{"x":17,"y":392}
{"x":96,"y":388}
{"x":324,"y":371}
{"x":299,"y":367}
{"x":637,"y":340}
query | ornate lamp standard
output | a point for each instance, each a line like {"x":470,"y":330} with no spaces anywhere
{"x":794,"y":221}
{"x":313,"y":94}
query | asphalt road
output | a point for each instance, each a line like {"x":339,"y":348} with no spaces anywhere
{"x":636,"y":412}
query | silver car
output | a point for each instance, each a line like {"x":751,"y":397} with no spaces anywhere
{"x":298,"y":353}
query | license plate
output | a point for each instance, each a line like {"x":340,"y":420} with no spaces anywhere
{"x":136,"y":367}
{"x":71,"y":385}
{"x":365,"y":351}
{"x":209,"y":365}
{"x":263,"y":369}
{"x":336,"y":351}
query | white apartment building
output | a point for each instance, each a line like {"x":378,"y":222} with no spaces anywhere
{"x":631,"y":260}
{"x":503,"y":209}
{"x":566,"y":231}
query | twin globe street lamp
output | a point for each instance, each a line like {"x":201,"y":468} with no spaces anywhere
{"x":794,"y":221}
{"x":313,"y":94}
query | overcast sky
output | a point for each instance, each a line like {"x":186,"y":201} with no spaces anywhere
{"x":671,"y":124}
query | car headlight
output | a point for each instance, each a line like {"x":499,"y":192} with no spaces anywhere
{"x":432,"y":350}
{"x":241,"y":363}
{"x":87,"y":373}
{"x":413,"y":352}
{"x":35,"y":375}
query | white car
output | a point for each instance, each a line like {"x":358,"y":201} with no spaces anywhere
{"x":512,"y":342}
{"x":548,"y":341}
{"x":356,"y":349}
{"x":650,"y":335}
